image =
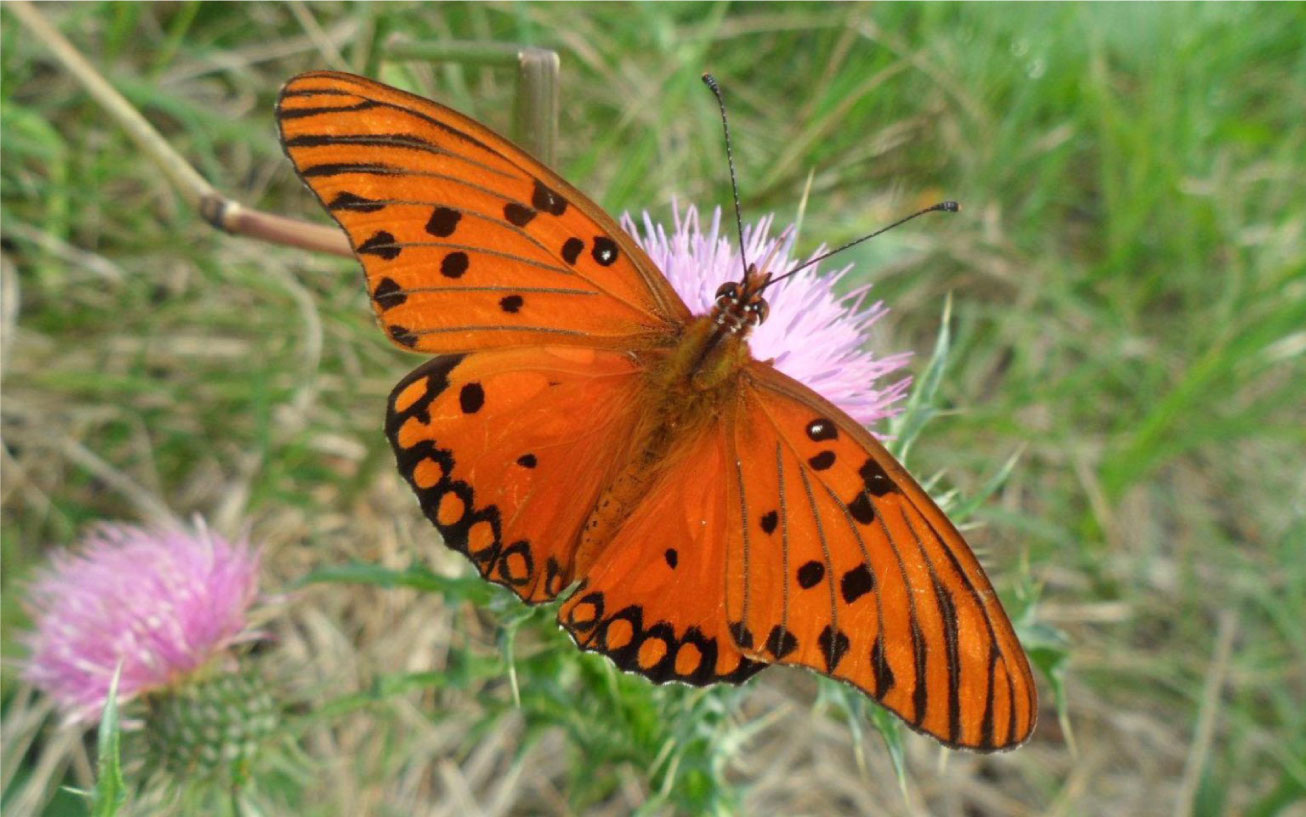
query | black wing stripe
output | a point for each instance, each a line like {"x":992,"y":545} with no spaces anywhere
{"x":986,"y":724}
{"x":304,"y":113}
{"x":919,"y":695}
{"x":396,"y":141}
{"x":287,"y":94}
{"x":363,"y":93}
{"x":988,"y":622}
{"x":948,"y":614}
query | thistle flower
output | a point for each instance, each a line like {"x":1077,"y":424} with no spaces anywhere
{"x":165,"y":604}
{"x":813,"y":334}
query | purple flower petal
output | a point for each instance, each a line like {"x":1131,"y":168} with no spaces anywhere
{"x":813,"y":334}
{"x":163,"y":603}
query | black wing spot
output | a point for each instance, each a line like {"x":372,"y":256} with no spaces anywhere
{"x":527,"y":461}
{"x":821,"y":429}
{"x":632,"y":616}
{"x":605,"y":251}
{"x":877,"y":482}
{"x":436,"y":373}
{"x":624,"y":654}
{"x":672,"y":558}
{"x":454,"y":264}
{"x":552,"y":577}
{"x":388,"y":294}
{"x":810,"y":574}
{"x":511,"y":303}
{"x":586,"y":613}
{"x":381,"y":244}
{"x":861,"y":508}
{"x":515,"y":564}
{"x":880,"y":668}
{"x":856,"y":583}
{"x":518,"y":214}
{"x":471,"y":398}
{"x":663,"y":669}
{"x":550,"y":202}
{"x":822,"y":461}
{"x":443,"y":222}
{"x":459,"y":517}
{"x":780,"y":642}
{"x":571,"y":249}
{"x":402,"y":335}
{"x":489,"y":515}
{"x":741,"y":634}
{"x":769,"y":520}
{"x":834,"y":644}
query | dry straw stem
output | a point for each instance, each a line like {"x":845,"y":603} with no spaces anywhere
{"x":218,"y":210}
{"x":535,"y":123}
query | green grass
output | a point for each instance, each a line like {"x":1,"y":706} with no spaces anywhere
{"x":1128,"y":278}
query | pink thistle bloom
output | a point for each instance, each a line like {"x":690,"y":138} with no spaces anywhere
{"x":813,"y":334}
{"x":164,"y":603}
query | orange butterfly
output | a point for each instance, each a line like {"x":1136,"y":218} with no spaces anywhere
{"x":579,"y":424}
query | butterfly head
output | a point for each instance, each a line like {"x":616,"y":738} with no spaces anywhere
{"x":739,"y":308}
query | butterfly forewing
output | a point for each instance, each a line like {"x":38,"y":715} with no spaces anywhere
{"x":840,"y":562}
{"x":466,"y":240}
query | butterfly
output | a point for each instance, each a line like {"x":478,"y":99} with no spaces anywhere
{"x":578,"y":428}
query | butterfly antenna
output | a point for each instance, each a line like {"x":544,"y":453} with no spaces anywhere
{"x":710,"y":82}
{"x":945,"y":206}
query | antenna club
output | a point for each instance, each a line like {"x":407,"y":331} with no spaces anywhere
{"x":947,"y":207}
{"x":710,"y":81}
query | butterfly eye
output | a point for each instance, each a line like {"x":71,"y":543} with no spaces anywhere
{"x":758,"y":310}
{"x":729,"y":291}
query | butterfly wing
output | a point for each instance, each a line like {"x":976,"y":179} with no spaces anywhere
{"x":467,"y":241}
{"x":839,"y":561}
{"x":508,"y":449}
{"x":652,"y":602}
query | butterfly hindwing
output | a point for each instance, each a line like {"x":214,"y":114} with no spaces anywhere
{"x":840,"y":562}
{"x":508,"y":449}
{"x":467,"y":241}
{"x":652,"y":603}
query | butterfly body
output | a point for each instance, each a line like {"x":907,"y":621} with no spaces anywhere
{"x":580,"y":428}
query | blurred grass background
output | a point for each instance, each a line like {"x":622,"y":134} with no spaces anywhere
{"x":1129,"y":285}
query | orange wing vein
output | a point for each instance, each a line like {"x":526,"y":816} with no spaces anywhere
{"x":840,"y":562}
{"x":466,"y":240}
